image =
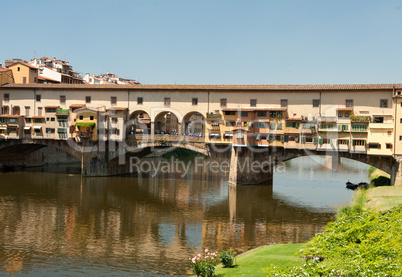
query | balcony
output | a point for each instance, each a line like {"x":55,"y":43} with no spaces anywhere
{"x":63,"y":112}
{"x":213,"y":115}
{"x":84,"y":134}
{"x":327,"y":118}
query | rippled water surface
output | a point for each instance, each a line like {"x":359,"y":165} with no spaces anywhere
{"x":58,"y":224}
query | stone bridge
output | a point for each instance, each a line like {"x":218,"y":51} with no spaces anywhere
{"x":248,"y":165}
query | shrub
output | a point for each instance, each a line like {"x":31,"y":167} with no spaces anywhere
{"x":227,"y":258}
{"x":204,"y":264}
{"x":358,"y":243}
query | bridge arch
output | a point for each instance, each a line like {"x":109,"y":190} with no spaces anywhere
{"x":139,"y":122}
{"x":168,"y":122}
{"x":193,"y":123}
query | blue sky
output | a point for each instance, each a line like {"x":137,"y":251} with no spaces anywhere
{"x":212,"y":42}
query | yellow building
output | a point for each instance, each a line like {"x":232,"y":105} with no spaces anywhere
{"x":86,"y":124}
{"x":6,"y":76}
{"x":24,"y":73}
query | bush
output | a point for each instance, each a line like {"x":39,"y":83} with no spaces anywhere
{"x":227,"y":258}
{"x":371,"y":169}
{"x":204,"y":265}
{"x":358,"y":243}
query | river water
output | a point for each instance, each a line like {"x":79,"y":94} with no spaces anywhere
{"x":55,"y":223}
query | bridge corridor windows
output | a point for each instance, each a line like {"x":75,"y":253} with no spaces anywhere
{"x":223,"y":102}
{"x":140,"y":100}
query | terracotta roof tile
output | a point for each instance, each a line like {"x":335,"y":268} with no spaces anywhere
{"x":234,"y":88}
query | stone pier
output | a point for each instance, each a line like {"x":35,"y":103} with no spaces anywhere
{"x":250,"y":166}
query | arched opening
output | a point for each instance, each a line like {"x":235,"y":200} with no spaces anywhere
{"x":167,"y":123}
{"x":193,"y":124}
{"x":139,"y":123}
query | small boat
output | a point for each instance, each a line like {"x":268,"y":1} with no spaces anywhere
{"x":350,"y":185}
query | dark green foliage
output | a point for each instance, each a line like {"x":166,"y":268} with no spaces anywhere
{"x":380,"y":181}
{"x":227,"y":258}
{"x":371,"y":169}
{"x":358,"y":243}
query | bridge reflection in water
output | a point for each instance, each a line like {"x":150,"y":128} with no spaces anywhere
{"x":143,"y":226}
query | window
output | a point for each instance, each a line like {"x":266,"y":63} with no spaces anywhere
{"x":50,"y":130}
{"x":52,"y":119}
{"x":166,"y":101}
{"x":340,"y":114}
{"x":62,"y":99}
{"x":215,"y":123}
{"x":261,"y":124}
{"x":51,"y":110}
{"x":113,"y":100}
{"x":38,"y":120}
{"x":24,"y":80}
{"x":346,"y":115}
{"x":279,"y":126}
{"x":400,"y":138}
{"x":400,"y":120}
{"x":6,"y":97}
{"x":16,"y":110}
{"x":18,"y":68}
{"x":81,"y":117}
{"x":284,"y":103}
{"x":383,"y":103}
{"x":87,"y":99}
{"x":244,"y":114}
{"x":279,"y":114}
{"x":223,"y":102}
{"x":194,"y":101}
{"x":388,"y":145}
{"x":230,"y":123}
{"x":272,"y":114}
{"x":378,"y":119}
{"x":316,"y":102}
{"x":38,"y":97}
{"x":374,"y":145}
{"x":262,"y":114}
{"x":28,"y":120}
{"x":230,"y":113}
{"x":359,"y":142}
{"x":114,"y":120}
{"x":114,"y":131}
{"x":140,"y":100}
{"x":91,"y":117}
{"x":47,"y":119}
{"x":349,"y":103}
{"x":253,"y":102}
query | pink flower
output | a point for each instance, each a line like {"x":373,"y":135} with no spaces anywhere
{"x":206,"y":250}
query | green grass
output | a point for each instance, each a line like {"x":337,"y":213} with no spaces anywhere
{"x":384,"y":198}
{"x":255,"y":262}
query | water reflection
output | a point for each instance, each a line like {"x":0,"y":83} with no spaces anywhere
{"x":53,"y":223}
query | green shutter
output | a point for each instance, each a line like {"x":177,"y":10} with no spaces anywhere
{"x":286,"y":138}
{"x":279,"y":126}
{"x":282,"y":138}
{"x":303,"y":140}
{"x":314,"y":139}
{"x":289,"y":124}
{"x":347,"y":142}
{"x":272,"y":125}
{"x":320,"y":141}
{"x":339,"y":127}
{"x":297,"y":125}
{"x":346,"y":127}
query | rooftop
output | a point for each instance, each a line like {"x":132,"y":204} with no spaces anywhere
{"x":242,"y":88}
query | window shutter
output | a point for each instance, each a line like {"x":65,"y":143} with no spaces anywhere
{"x":282,"y":138}
{"x":346,"y":127}
{"x":339,"y":127}
{"x":286,"y":138}
{"x":320,"y":141}
{"x":272,"y":125}
{"x":315,"y":140}
{"x":303,"y":140}
{"x":347,"y":142}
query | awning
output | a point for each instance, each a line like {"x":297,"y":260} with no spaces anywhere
{"x":37,"y":127}
{"x":27,"y":128}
